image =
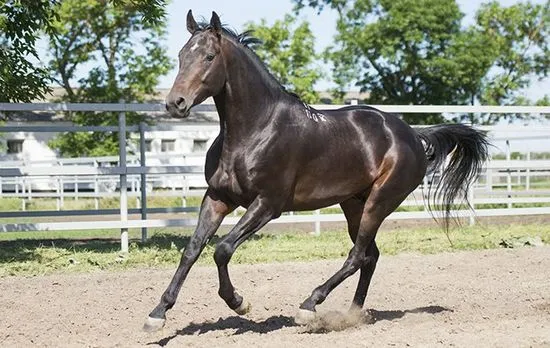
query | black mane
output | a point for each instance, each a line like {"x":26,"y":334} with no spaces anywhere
{"x":245,"y":38}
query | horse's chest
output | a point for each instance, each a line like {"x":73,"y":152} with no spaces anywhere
{"x":220,"y":170}
{"x":223,"y":180}
{"x":231,"y":180}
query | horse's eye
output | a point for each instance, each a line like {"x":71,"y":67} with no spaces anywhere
{"x":210,"y":57}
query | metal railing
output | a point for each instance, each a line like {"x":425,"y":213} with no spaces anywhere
{"x":495,"y":171}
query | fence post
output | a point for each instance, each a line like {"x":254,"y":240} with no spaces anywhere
{"x":472,"y":216}
{"x":123,"y":180}
{"x":62,"y":188}
{"x":317,"y":231}
{"x":143,"y":179}
{"x":489,"y":179}
{"x":96,"y":187}
{"x":76,"y":188}
{"x":61,"y":191}
{"x":58,"y":194}
{"x":509,"y":173}
{"x":528,"y":172}
{"x":29,"y":190}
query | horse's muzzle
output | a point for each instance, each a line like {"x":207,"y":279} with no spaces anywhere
{"x":181,"y":110}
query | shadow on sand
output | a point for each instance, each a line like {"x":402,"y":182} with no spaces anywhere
{"x":239,"y":324}
{"x":325,"y":323}
{"x":393,"y":315}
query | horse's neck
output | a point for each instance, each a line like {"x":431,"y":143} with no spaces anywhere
{"x":248,"y":99}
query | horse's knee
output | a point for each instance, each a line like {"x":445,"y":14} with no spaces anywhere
{"x":355,"y":261}
{"x":223,"y":253}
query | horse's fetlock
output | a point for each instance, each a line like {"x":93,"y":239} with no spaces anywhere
{"x":169,"y":300}
{"x":318,"y":296}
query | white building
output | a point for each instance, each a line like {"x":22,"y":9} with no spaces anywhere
{"x":168,"y":141}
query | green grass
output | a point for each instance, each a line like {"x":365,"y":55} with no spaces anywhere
{"x":36,"y":253}
{"x":15,"y":204}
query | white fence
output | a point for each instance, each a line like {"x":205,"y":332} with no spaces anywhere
{"x":498,"y":184}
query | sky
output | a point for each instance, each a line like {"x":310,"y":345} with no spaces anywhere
{"x":238,"y":12}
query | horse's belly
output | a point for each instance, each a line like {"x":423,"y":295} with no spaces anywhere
{"x":315,"y":193}
{"x":313,"y":204}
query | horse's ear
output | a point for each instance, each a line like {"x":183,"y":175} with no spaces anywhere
{"x":215,"y":23}
{"x":192,"y":25}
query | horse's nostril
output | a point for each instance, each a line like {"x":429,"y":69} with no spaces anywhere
{"x":180,"y":101}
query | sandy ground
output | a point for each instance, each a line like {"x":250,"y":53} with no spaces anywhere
{"x":495,"y":298}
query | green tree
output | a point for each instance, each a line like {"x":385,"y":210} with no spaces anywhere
{"x":405,"y":52}
{"x":288,"y":51}
{"x":21,"y":79}
{"x":417,"y":52}
{"x":101,"y":38}
{"x":153,"y":12}
{"x":520,"y":35}
{"x":22,"y":22}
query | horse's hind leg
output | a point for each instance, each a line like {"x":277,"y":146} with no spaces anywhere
{"x":353,"y":210}
{"x":382,"y":200}
{"x":367,"y":270}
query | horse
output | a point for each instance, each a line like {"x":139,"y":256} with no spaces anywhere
{"x":275,"y":153}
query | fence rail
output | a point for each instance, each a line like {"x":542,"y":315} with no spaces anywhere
{"x":159,"y":107}
{"x":133,"y":173}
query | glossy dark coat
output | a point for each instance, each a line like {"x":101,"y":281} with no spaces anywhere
{"x":274,"y":153}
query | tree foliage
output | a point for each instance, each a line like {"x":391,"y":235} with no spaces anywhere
{"x":22,"y":76}
{"x":124,"y":59}
{"x":520,"y":35}
{"x":418,"y":51}
{"x":288,"y":50}
{"x":153,"y":12}
{"x":21,"y":21}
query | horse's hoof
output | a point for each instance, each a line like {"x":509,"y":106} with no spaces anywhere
{"x":243,"y":308}
{"x":355,"y":312}
{"x":304,"y":317}
{"x":153,"y":324}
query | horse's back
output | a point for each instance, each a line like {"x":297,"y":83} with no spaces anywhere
{"x":366,"y":115}
{"x":348,"y":150}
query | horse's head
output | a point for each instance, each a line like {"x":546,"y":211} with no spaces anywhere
{"x":201,"y":68}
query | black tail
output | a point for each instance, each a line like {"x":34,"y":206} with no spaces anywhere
{"x":468,"y":149}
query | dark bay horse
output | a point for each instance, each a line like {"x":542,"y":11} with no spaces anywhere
{"x":275,"y":153}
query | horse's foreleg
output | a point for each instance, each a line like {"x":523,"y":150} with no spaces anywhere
{"x":257,"y":215}
{"x":211,"y":215}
